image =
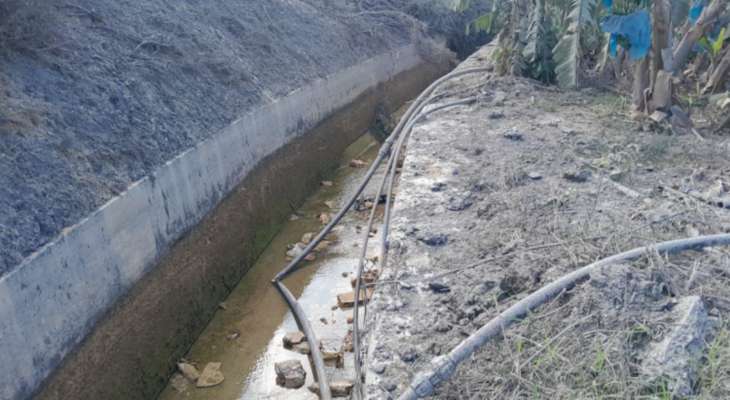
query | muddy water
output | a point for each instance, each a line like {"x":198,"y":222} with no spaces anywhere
{"x":246,"y":333}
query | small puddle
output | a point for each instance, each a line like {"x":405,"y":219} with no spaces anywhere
{"x":245,"y":335}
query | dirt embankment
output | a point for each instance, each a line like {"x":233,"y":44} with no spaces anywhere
{"x":502,"y":197}
{"x":96,"y":94}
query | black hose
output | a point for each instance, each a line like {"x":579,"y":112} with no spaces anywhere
{"x":391,"y":166}
{"x":316,"y":359}
{"x":295,"y":307}
{"x":442,"y":368}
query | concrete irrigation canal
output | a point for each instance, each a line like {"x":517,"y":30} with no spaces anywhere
{"x":246,"y":335}
{"x":316,"y":199}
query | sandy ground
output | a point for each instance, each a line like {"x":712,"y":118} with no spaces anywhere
{"x":499,"y":198}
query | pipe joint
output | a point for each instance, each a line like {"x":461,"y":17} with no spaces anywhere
{"x":441,"y":370}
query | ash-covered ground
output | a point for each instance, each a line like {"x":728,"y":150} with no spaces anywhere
{"x":502,"y":197}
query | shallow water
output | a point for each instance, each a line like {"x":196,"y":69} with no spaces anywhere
{"x":256,"y":313}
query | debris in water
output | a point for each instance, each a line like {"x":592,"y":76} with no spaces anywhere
{"x":347,"y":345}
{"x":179,"y":383}
{"x":327,"y":183}
{"x":211,"y":375}
{"x":347,"y":300}
{"x":307,"y":237}
{"x":368,"y":277}
{"x":338,"y":388}
{"x":293,"y":338}
{"x":295,"y":250}
{"x":332,"y":352}
{"x":222,"y":306}
{"x":358,"y":163}
{"x":302,"y":348}
{"x":322,"y":246}
{"x":188,"y":371}
{"x":233,"y":335}
{"x":325,"y":218}
{"x":290,"y":374}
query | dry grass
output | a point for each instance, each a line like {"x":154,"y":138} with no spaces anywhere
{"x":590,"y":343}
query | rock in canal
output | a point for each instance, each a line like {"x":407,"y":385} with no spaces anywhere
{"x":295,"y":250}
{"x":211,"y":375}
{"x":307,"y":237}
{"x":179,"y":383}
{"x":322,"y":246}
{"x":339,"y":388}
{"x":293,"y":338}
{"x":290,"y":374}
{"x":188,"y":371}
{"x":302,"y":348}
{"x":347,"y":300}
{"x":325,"y":218}
{"x":332,"y":352}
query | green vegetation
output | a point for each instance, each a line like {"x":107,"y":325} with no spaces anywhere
{"x":572,"y":43}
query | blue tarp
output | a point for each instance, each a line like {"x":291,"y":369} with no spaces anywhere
{"x":696,"y":10}
{"x":634,"y":29}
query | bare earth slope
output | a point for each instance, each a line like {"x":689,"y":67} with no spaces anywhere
{"x":97,"y":93}
{"x":532,"y":183}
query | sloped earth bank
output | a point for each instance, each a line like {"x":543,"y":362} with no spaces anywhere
{"x":499,"y":198}
{"x":96,"y":94}
{"x":246,"y":334}
{"x":165,"y":141}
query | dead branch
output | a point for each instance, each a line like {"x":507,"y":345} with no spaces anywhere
{"x":719,"y":73}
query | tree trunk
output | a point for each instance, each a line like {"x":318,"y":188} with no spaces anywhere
{"x":661,"y":26}
{"x":704,"y":23}
{"x":641,"y":83}
{"x":718,"y":73}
